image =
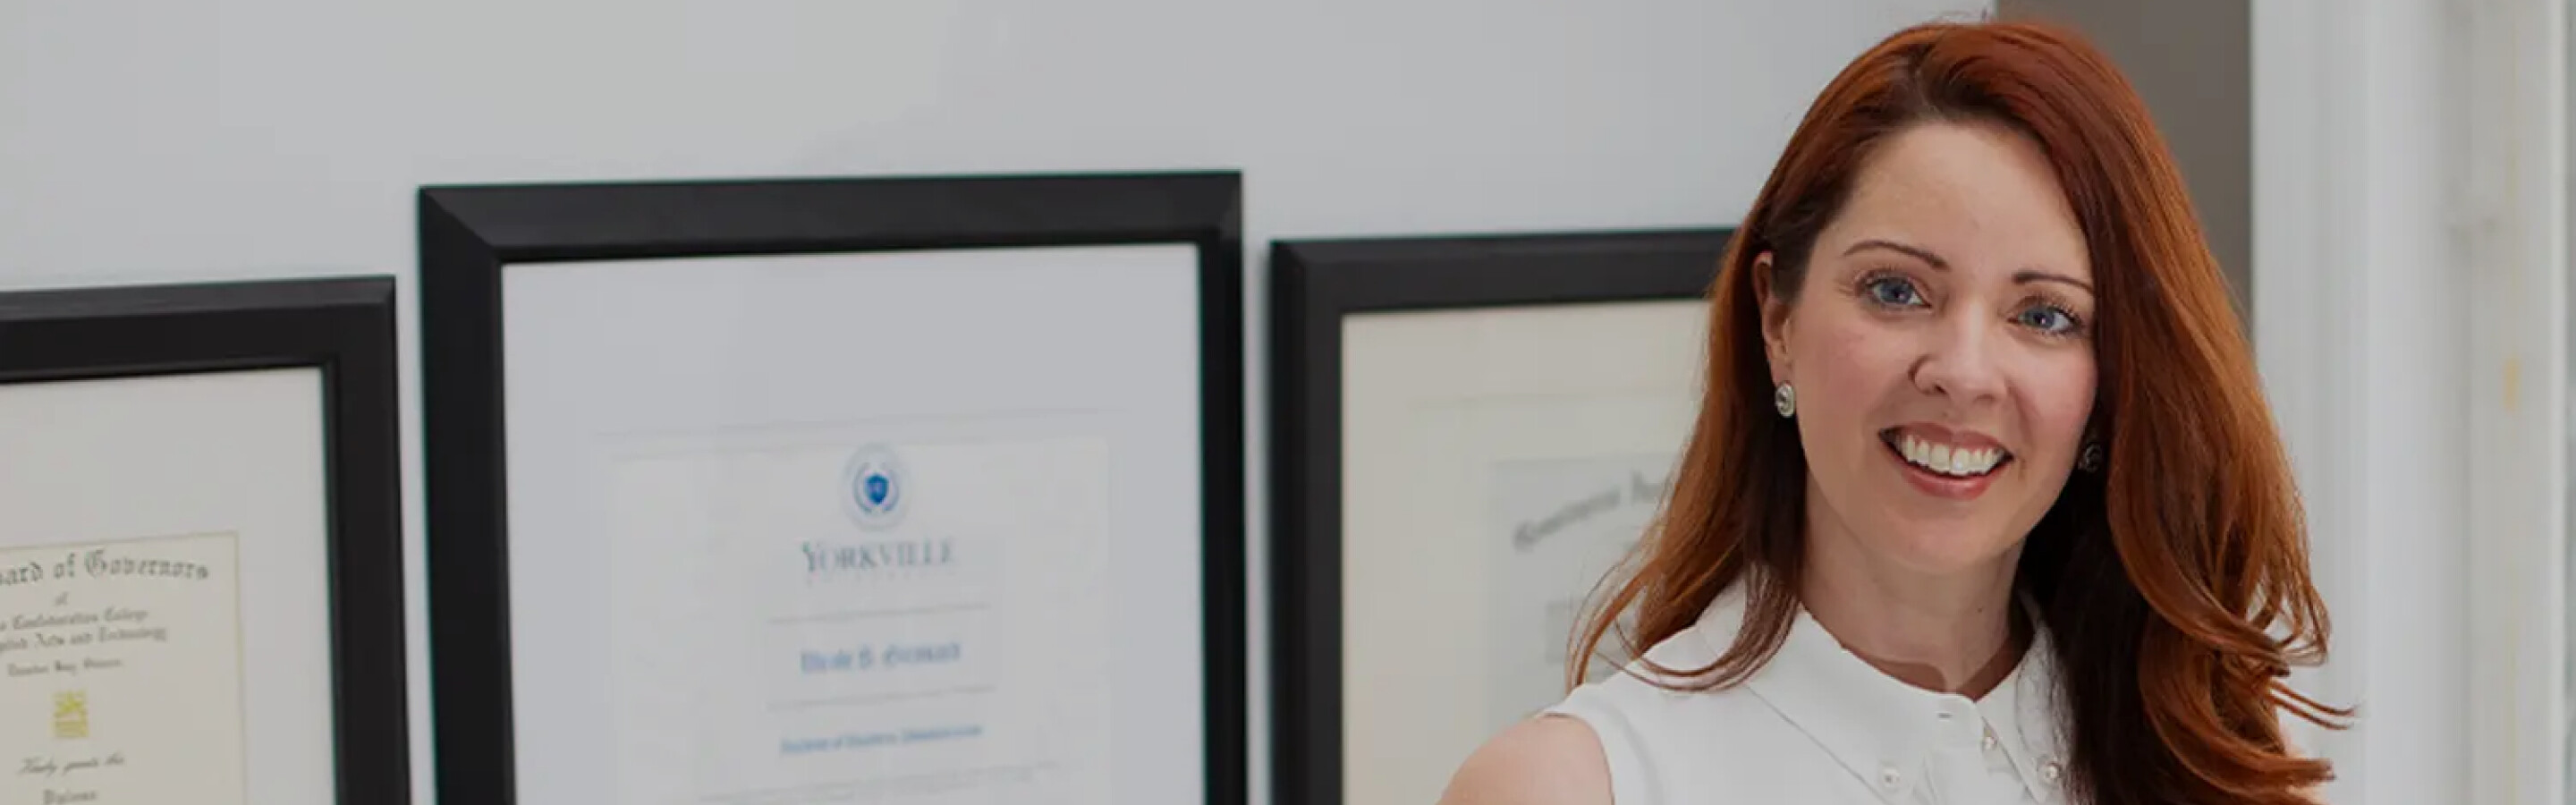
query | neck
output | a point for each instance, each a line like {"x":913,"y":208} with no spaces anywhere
{"x":1954,"y":633}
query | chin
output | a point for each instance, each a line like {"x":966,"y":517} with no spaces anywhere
{"x":1944,"y":551}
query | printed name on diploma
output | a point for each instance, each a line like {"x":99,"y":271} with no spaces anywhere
{"x":888,"y":657}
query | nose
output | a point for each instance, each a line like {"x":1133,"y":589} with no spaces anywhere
{"x":1960,"y":363}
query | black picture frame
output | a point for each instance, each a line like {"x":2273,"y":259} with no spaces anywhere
{"x":343,"y":326}
{"x":469,"y":234}
{"x":1315,"y":284}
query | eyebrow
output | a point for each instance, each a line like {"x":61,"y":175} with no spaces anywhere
{"x":2028,"y":276}
{"x":1917,"y":252}
{"x":2022,"y":277}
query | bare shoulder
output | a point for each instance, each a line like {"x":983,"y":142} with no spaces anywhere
{"x":1551,"y":760}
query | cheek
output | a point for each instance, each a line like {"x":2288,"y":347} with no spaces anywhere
{"x":2059,"y":396}
{"x":1848,"y":367}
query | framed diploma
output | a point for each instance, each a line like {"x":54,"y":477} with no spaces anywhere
{"x":201,"y":582}
{"x":899,"y":490}
{"x":1471,"y":432}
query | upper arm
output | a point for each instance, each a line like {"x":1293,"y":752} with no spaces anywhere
{"x":1551,"y":760}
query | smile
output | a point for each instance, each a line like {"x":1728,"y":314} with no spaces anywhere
{"x":1939,"y":457}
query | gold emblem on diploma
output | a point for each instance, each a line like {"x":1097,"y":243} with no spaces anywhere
{"x":71,"y":714}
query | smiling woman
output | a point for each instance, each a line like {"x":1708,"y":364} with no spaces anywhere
{"x":1983,"y":502}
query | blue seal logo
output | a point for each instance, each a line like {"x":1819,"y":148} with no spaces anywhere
{"x":873,"y":487}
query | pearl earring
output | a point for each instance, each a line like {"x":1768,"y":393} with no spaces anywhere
{"x":1785,"y":399}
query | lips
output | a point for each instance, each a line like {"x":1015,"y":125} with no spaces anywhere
{"x":1946,"y":463}
{"x":1958,"y":461}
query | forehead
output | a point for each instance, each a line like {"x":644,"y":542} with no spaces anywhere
{"x":1983,"y":197}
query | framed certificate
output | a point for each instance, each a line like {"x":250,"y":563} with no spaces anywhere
{"x":1471,"y":431}
{"x":891,"y":490}
{"x":201,"y":581}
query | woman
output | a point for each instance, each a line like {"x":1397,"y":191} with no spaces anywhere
{"x":1983,"y":504}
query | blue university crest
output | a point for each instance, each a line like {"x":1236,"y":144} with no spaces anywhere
{"x":873,"y":487}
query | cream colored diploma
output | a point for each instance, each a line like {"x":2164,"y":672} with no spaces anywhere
{"x":123,"y":672}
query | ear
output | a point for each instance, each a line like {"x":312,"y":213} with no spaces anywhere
{"x":1775,"y":318}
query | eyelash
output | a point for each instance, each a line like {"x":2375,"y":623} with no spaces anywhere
{"x":1870,"y":284}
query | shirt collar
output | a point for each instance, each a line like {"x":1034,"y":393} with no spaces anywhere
{"x":1884,"y":731}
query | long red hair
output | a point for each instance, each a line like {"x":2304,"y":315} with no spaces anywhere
{"x":2174,"y":582}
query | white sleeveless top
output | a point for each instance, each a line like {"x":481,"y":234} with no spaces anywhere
{"x":1820,"y":725}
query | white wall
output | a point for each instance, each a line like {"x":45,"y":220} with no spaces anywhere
{"x":2410,"y":277}
{"x":194,"y":139}
{"x":2355,"y":350}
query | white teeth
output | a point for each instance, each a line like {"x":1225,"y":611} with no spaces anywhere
{"x":1947,"y":460}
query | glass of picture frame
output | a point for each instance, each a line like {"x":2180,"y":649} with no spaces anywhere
{"x":824,"y":489}
{"x":201,"y":562}
{"x":1471,"y":431}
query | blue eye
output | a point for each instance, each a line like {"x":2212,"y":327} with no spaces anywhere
{"x":2050,"y":319}
{"x":1892,"y":292}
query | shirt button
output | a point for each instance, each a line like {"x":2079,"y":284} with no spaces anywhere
{"x":1888,"y":777}
{"x":2050,"y":771}
{"x":1990,"y":742}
